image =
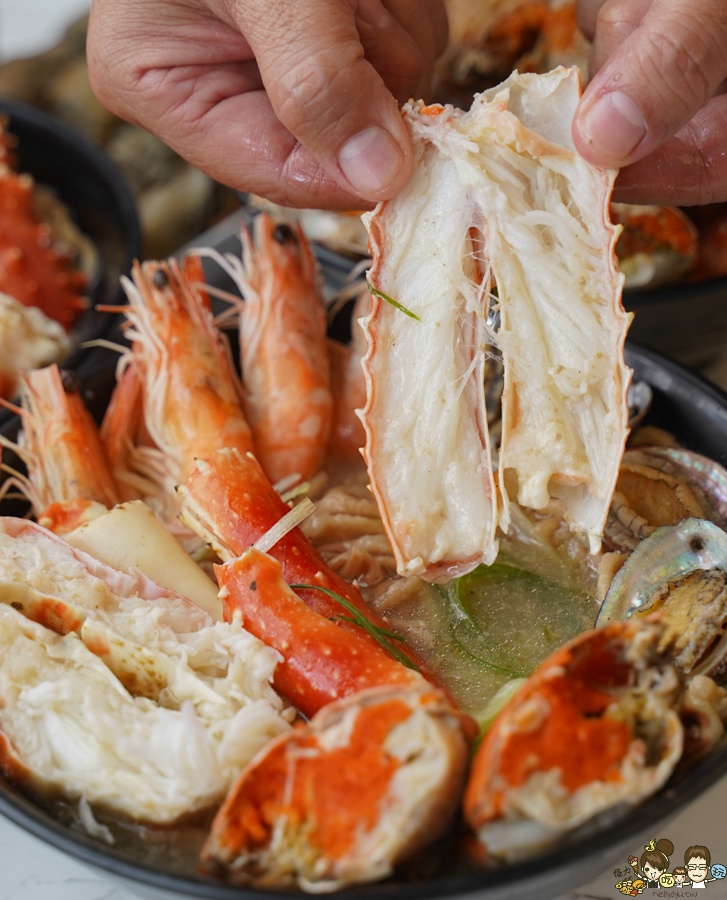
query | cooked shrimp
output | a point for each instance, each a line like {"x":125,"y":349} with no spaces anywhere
{"x":72,"y":490}
{"x":285,"y":369}
{"x":191,"y":396}
{"x":68,"y":472}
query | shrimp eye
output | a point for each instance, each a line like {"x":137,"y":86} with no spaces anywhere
{"x":70,"y":381}
{"x":283,"y":233}
{"x":159,"y":279}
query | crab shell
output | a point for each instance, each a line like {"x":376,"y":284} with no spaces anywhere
{"x":340,"y":801}
{"x":657,"y":246}
{"x":594,"y":728}
{"x":32,"y":271}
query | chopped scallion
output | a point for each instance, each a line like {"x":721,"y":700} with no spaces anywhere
{"x":388,"y":299}
{"x":381,"y":635}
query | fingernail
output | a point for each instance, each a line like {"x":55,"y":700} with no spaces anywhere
{"x":614,"y":125}
{"x":370,"y":160}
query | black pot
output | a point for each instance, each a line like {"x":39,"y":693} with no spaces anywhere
{"x":164,"y":868}
{"x":687,"y":322}
{"x":98,"y":196}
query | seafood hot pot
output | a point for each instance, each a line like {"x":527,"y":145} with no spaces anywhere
{"x":97,"y":196}
{"x":162,"y":863}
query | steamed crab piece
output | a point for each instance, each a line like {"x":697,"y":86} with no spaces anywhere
{"x":320,"y":662}
{"x":680,"y":571}
{"x":31,"y":270}
{"x":662,"y":486}
{"x":551,"y":248}
{"x":491,"y":38}
{"x":118,"y":691}
{"x":230,"y":504}
{"x":298,"y":812}
{"x":427,"y":445}
{"x":595,"y":728}
{"x":28,"y":340}
{"x":500,"y":192}
{"x":658,"y":244}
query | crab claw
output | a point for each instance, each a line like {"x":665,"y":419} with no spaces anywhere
{"x":340,"y":801}
{"x":595,"y":727}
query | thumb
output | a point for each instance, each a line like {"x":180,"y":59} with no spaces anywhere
{"x":325,"y":92}
{"x":657,"y":79}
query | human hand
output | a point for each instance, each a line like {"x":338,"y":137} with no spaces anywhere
{"x":292,"y":99}
{"x":656,"y":103}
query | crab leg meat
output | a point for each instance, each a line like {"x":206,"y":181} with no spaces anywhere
{"x":498,"y":191}
{"x":427,"y":445}
{"x":230,"y":503}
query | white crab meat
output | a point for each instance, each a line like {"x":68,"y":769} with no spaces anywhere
{"x":427,"y":444}
{"x":132,"y":536}
{"x":498,"y":190}
{"x":28,"y":339}
{"x":119,"y":692}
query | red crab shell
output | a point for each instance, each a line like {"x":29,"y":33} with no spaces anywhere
{"x":31,"y":271}
{"x":596,"y":725}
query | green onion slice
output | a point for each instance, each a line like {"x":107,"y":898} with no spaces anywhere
{"x":381,"y":635}
{"x":407,"y":312}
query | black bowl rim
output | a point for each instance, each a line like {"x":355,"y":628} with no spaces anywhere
{"x":105,"y":168}
{"x":23,"y":812}
{"x":686,"y":290}
{"x":81,"y":145}
{"x":107,"y":172}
